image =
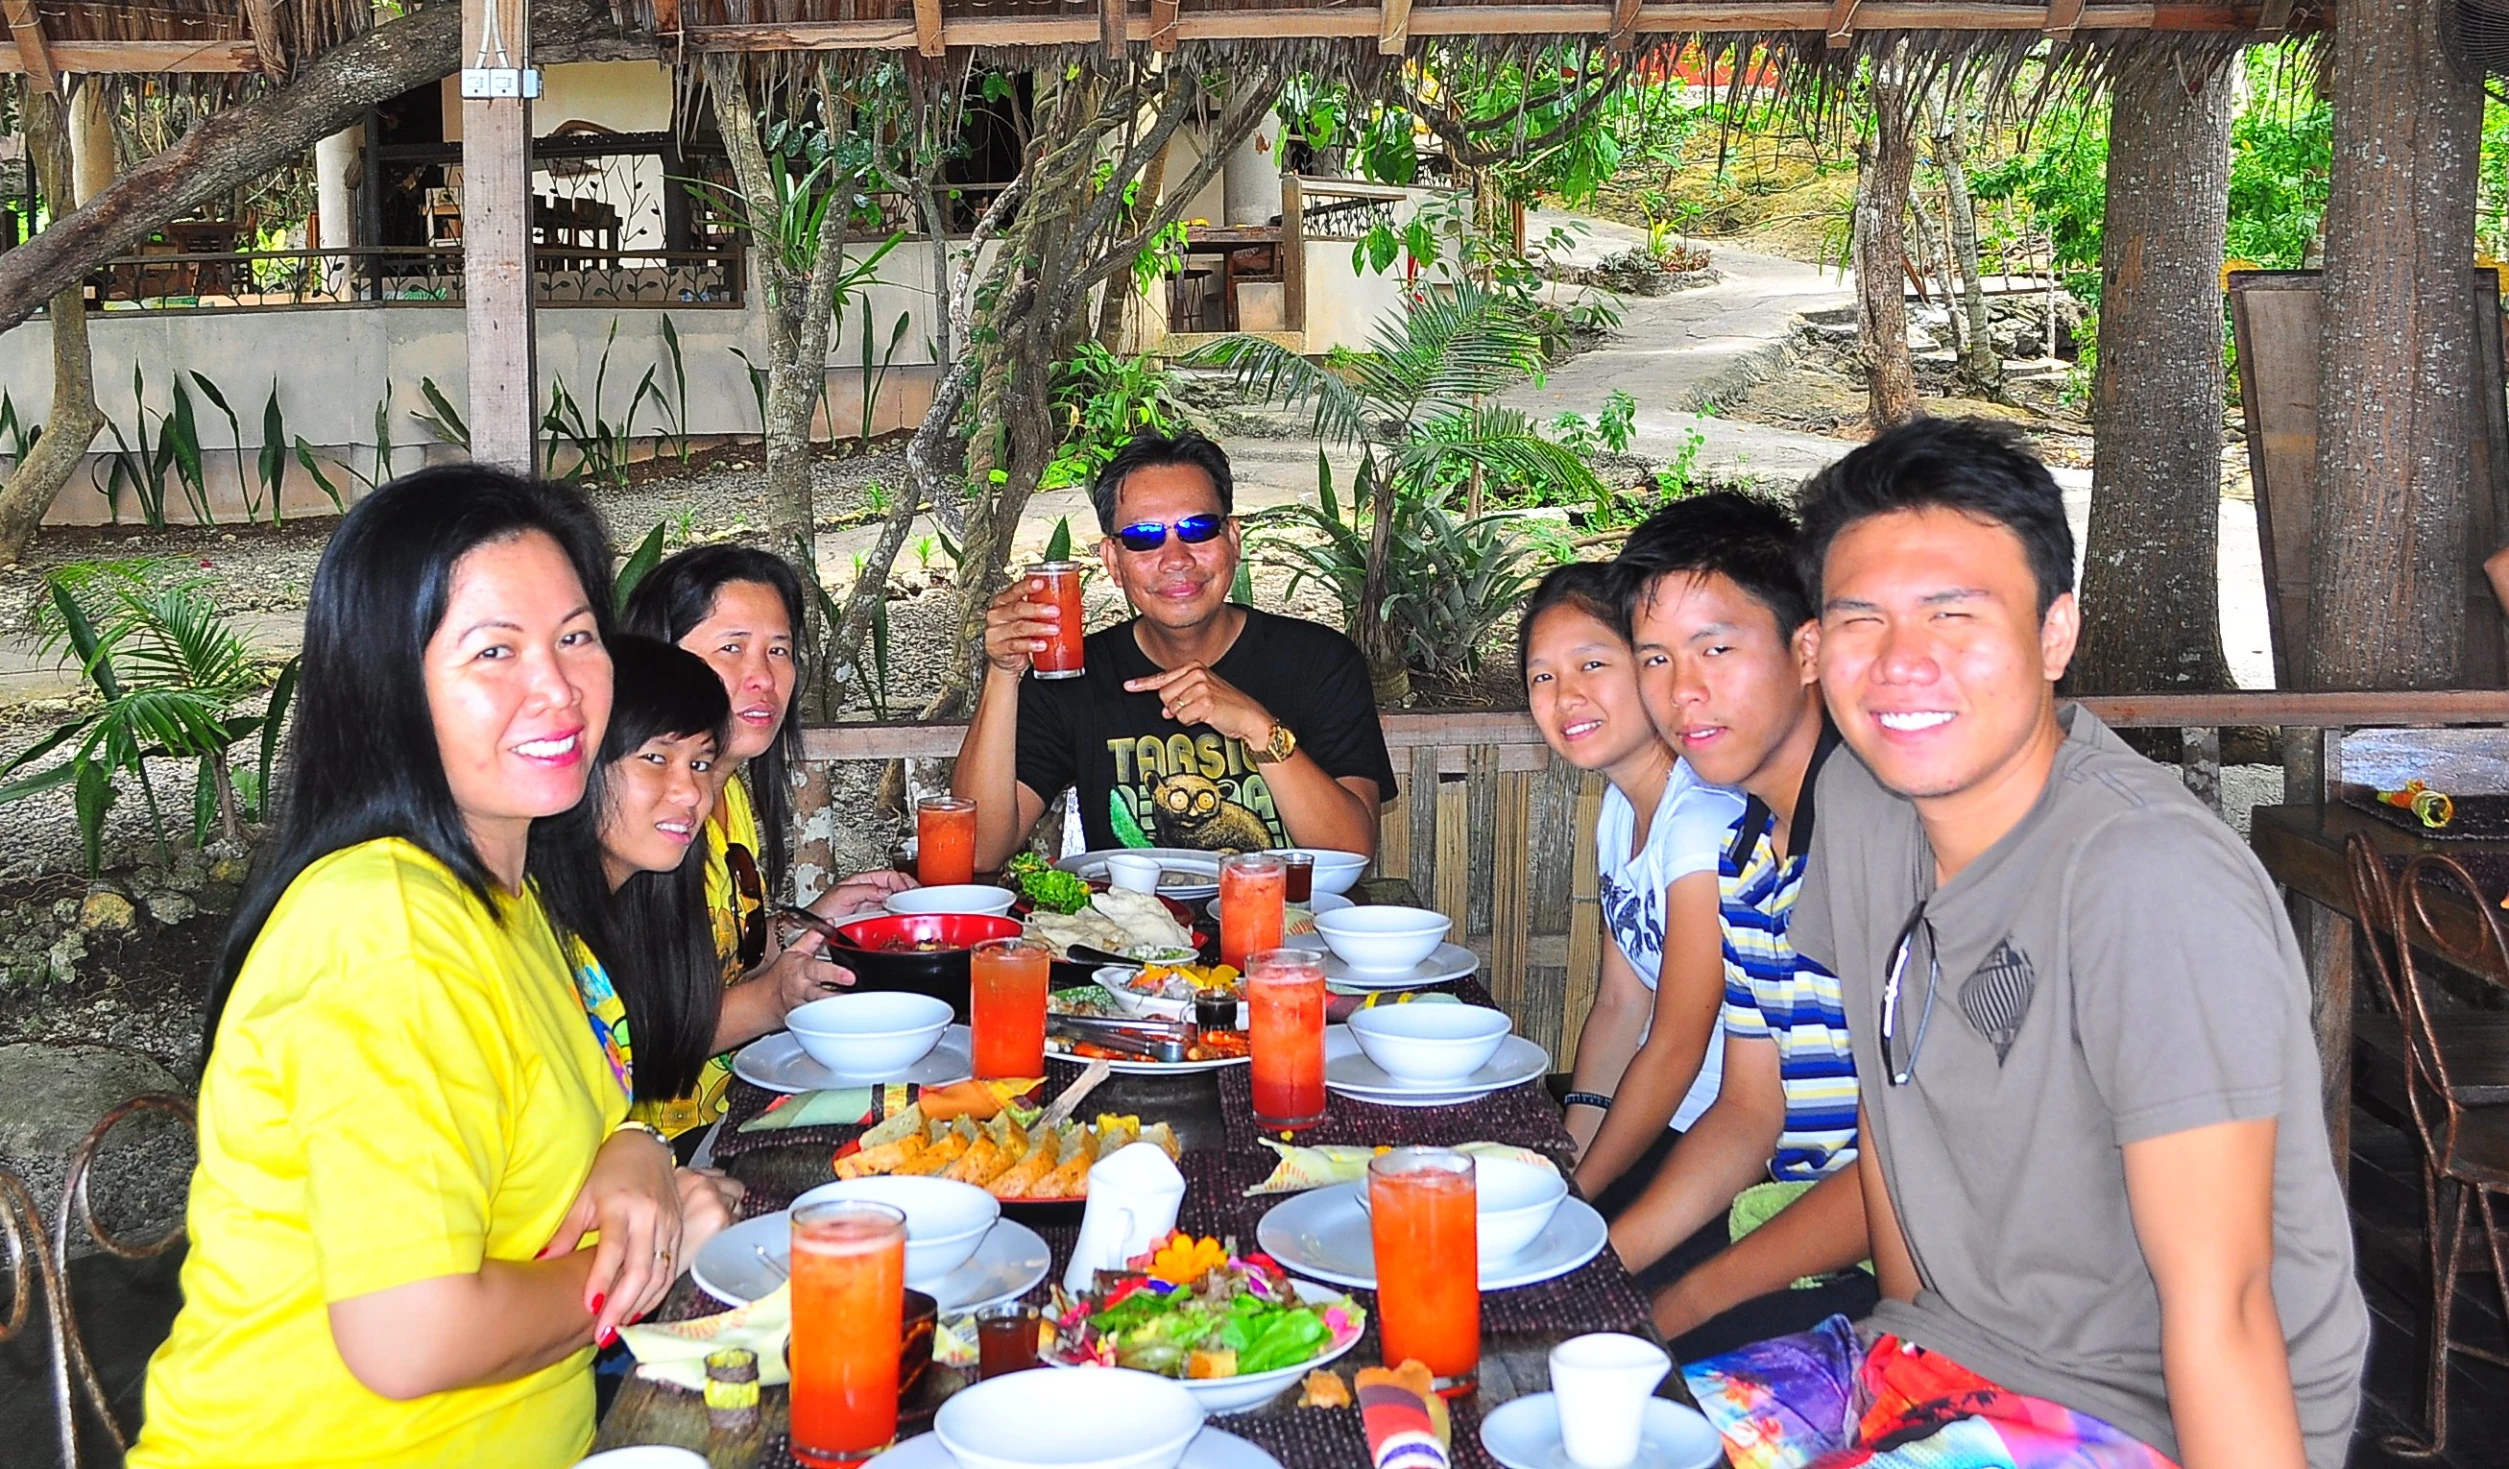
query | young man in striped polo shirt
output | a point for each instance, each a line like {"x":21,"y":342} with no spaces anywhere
{"x":1719,"y":620}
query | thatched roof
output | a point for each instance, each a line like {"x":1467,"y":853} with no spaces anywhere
{"x":177,"y":37}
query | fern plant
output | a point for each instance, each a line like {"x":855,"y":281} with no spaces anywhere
{"x":171,"y":674}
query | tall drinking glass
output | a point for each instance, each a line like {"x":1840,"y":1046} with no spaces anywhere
{"x":849,"y":1312}
{"x":1006,"y":985}
{"x":1062,"y":656}
{"x":945,"y":840}
{"x":1253,"y":890}
{"x":1285,"y":1021}
{"x":1422,"y":1220}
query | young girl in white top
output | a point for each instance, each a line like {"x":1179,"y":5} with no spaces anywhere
{"x":1645,"y":1062}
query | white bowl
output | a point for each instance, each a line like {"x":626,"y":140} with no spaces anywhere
{"x":1106,"y":1417}
{"x":1253,"y":1389}
{"x":1334,"y":871}
{"x":1382,"y":939}
{"x":1513,"y":1202}
{"x":1429,"y":1043}
{"x":945,"y":1219}
{"x":954,"y":897}
{"x":869,"y":1035}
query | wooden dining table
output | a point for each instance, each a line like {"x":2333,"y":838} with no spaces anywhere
{"x":1212,"y":1112}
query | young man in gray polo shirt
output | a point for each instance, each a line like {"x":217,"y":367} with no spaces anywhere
{"x":2095,"y":1172}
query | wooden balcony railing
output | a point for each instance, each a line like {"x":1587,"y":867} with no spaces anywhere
{"x":1502,"y":841}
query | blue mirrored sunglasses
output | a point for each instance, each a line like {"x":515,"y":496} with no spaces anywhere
{"x":1150,"y":535}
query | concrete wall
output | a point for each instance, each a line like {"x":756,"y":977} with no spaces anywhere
{"x":331,"y":365}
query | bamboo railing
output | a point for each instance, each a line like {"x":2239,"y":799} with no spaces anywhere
{"x":1503,"y":843}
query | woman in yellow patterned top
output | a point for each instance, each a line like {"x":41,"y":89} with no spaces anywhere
{"x":623,"y":875}
{"x":739,"y":608}
{"x":405,"y":1128}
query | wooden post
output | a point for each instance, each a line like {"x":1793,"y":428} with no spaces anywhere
{"x":497,"y":88}
{"x":1293,"y":253}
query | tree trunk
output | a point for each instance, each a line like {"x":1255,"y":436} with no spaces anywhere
{"x":75,"y":419}
{"x":2396,"y":419}
{"x":250,"y":141}
{"x":1980,"y":364}
{"x":1886,"y":164}
{"x":2151,"y":575}
{"x":1119,"y":286}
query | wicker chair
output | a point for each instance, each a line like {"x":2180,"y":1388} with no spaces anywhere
{"x":31,"y":1254}
{"x":2455,"y":1085}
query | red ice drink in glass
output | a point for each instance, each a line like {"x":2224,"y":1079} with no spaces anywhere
{"x":849,"y":1311}
{"x":1058,"y":582}
{"x":1006,"y":984}
{"x":1253,"y":889}
{"x":1285,"y":1024}
{"x":945,"y":840}
{"x":1423,"y":1220}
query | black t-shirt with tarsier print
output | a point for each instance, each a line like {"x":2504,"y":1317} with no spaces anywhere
{"x":1147,"y":781}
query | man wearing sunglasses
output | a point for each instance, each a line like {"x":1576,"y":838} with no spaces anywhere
{"x":2095,"y":1171}
{"x":1198,"y":723}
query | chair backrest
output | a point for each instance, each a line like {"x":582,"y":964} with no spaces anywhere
{"x":2374,"y":900}
{"x":2428,"y":896}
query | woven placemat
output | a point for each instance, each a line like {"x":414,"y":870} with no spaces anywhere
{"x":1517,"y":1325}
{"x":2482,"y":818}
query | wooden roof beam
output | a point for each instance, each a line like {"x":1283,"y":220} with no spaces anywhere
{"x":1111,"y":27}
{"x":928,"y":39}
{"x":1624,"y":25}
{"x":1163,"y":25}
{"x":145,"y":57}
{"x":1841,"y":28}
{"x":2062,"y":18}
{"x":1393,"y":27}
{"x":27,"y":28}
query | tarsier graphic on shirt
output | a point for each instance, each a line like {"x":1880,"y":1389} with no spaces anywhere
{"x":1190,"y":790}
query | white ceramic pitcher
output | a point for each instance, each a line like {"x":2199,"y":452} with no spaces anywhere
{"x":1133,"y":1195}
{"x":1601,"y":1382}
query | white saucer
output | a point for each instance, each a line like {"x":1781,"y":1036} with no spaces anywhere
{"x":1323,"y":1234}
{"x":1091,"y":866}
{"x":1524,"y":1434}
{"x":1445,"y":962}
{"x":1211,"y":1449}
{"x":1010,"y":1261}
{"x":778,"y":1063}
{"x":1348,"y":1070}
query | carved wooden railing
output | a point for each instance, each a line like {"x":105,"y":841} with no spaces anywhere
{"x":36,"y":1260}
{"x":1503,"y":841}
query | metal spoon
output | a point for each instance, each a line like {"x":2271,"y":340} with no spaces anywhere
{"x":782,"y":1272}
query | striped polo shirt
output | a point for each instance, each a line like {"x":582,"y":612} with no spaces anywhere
{"x":1772,"y":993}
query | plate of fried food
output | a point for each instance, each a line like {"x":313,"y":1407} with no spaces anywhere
{"x":1037,"y":1164}
{"x":1118,"y":921}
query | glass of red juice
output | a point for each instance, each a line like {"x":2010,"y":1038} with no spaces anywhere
{"x":1252,"y":893}
{"x":1006,"y":1340}
{"x":945,"y":840}
{"x":849,"y":1311}
{"x":1058,"y":582}
{"x":1285,"y":1032}
{"x":1424,"y":1221}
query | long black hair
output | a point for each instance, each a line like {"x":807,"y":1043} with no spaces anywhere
{"x":652,"y":935}
{"x":362,"y":759}
{"x":677,"y":595}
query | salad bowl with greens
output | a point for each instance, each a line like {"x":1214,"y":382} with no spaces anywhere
{"x":1235,"y":1330}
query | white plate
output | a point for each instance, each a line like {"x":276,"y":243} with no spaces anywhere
{"x":1323,"y":1234}
{"x":778,"y":1063}
{"x":1011,"y":1260}
{"x":1445,"y":962}
{"x":1524,"y":1434}
{"x":1147,"y":1068}
{"x":1237,"y":1394}
{"x":1211,"y":1449}
{"x":1092,"y":866}
{"x":1110,"y":978}
{"x":1348,"y":1070}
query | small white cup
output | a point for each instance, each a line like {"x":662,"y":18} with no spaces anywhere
{"x":1133,"y":872}
{"x":1601,"y":1383}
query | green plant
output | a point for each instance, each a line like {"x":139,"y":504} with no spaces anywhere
{"x":21,"y":434}
{"x":640,"y":562}
{"x":139,"y":467}
{"x":313,"y":466}
{"x":677,"y":404}
{"x":235,"y":437}
{"x":600,"y":446}
{"x":171,"y":674}
{"x":873,"y":379}
{"x":272,"y":464}
{"x":446,"y":421}
{"x":1102,"y":400}
{"x":1680,"y":478}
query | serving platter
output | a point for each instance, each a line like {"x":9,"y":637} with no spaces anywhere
{"x":1203,"y":867}
{"x":1006,"y":1266}
{"x":1211,"y":1449}
{"x":1323,"y":1234}
{"x":778,"y":1063}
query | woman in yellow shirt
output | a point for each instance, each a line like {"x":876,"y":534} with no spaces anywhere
{"x":740,"y":609}
{"x":405,"y":1125}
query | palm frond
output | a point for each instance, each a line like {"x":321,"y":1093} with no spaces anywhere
{"x":1274,"y":374}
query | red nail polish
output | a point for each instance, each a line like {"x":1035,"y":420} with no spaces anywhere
{"x":607,"y":1336}
{"x":599,"y":1299}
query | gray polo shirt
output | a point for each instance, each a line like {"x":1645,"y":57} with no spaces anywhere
{"x":2118,"y":967}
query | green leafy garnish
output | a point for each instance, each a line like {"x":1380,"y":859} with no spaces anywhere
{"x":1055,"y":890}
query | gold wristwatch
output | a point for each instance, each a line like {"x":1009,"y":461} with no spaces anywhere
{"x":1282,"y":745}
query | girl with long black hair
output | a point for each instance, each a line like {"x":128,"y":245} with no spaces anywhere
{"x":740,"y":609}
{"x":405,"y":1125}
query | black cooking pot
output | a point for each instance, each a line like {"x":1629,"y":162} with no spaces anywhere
{"x":922,"y":953}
